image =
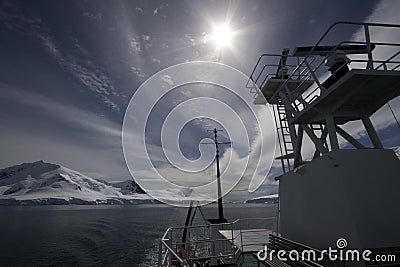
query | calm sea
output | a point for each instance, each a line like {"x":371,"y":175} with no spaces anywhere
{"x":96,"y":235}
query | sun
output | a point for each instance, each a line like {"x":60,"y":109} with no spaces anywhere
{"x":222,"y":35}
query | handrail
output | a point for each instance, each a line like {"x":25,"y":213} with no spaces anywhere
{"x":302,"y":86}
{"x":383,"y":62}
{"x":348,"y":23}
{"x":390,"y":58}
{"x":255,"y":80}
{"x":258,"y":61}
{"x":300,"y":66}
{"x":168,"y":244}
{"x":173,"y":252}
{"x":368,"y":61}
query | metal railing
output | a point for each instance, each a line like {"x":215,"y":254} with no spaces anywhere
{"x":316,"y":68}
{"x":380,"y":55}
{"x":204,"y":243}
{"x":260,"y":75}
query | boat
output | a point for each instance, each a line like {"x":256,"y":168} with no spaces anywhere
{"x":327,"y":216}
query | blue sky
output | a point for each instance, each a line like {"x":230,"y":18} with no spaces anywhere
{"x":68,"y":69}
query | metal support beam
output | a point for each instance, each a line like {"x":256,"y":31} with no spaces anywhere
{"x":330,"y":124}
{"x":371,"y":132}
{"x":324,"y":134}
{"x":292,"y":131}
{"x":297,"y":149}
{"x":316,"y":154}
{"x":285,"y":99}
{"x":349,"y":138}
{"x":317,"y":142}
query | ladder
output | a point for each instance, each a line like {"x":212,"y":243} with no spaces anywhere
{"x":284,"y":138}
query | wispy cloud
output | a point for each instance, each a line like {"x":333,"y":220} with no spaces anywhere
{"x":93,"y":16}
{"x":41,"y":128}
{"x":89,"y":75}
{"x":138,"y":72}
{"x":67,"y":115}
{"x":384,"y":12}
{"x":134,"y":43}
{"x":167,"y":79}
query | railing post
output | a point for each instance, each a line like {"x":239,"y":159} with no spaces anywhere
{"x":313,"y":75}
{"x":187,"y":243}
{"x":233,"y":243}
{"x":171,"y":246}
{"x":299,"y":72}
{"x":241,"y":240}
{"x":370,"y":64}
{"x":160,"y":256}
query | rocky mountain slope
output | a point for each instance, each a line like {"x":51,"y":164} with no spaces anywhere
{"x":46,"y":183}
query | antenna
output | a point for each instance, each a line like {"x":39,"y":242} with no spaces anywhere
{"x":220,"y":207}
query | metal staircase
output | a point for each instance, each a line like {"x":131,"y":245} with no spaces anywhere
{"x":272,"y":76}
{"x":284,"y":138}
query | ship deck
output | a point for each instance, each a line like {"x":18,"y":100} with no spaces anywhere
{"x":249,"y":240}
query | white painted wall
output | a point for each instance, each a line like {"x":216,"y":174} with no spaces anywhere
{"x":351,"y":194}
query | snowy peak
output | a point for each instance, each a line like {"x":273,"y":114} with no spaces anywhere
{"x":33,"y":168}
{"x":42,"y":180}
{"x":129,"y":187}
{"x":26,"y":177}
{"x":264,"y":199}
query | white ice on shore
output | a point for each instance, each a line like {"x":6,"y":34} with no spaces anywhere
{"x":46,"y":182}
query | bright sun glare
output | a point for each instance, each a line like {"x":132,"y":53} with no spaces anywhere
{"x":222,"y":35}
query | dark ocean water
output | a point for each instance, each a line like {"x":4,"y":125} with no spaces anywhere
{"x":96,"y":235}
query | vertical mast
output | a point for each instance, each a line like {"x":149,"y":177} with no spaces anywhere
{"x":220,"y":207}
{"x":219,"y":192}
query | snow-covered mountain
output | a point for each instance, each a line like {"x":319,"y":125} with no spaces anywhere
{"x":264,"y":199}
{"x":46,"y":183}
{"x":128,"y":187}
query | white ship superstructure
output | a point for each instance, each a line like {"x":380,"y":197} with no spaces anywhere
{"x":324,"y":197}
